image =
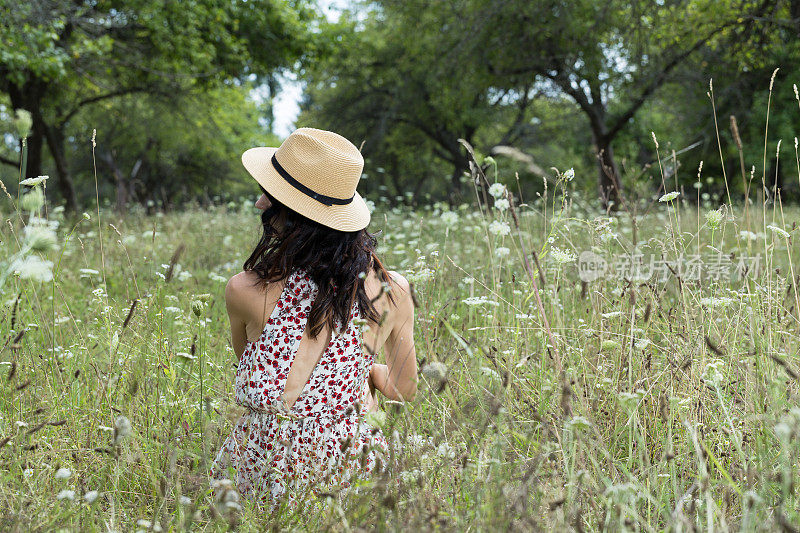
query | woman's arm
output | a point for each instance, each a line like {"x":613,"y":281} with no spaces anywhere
{"x":397,"y":379}
{"x":234,"y":304}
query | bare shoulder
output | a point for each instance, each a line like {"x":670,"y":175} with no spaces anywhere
{"x":239,"y":288}
{"x":399,"y":280}
{"x":401,"y":290}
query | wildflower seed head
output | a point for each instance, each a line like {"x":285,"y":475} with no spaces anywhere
{"x":40,"y":238}
{"x":435,"y":371}
{"x":714,"y":218}
{"x":578,"y":423}
{"x":33,"y":200}
{"x":712,"y":374}
{"x":66,"y":494}
{"x":772,"y":79}
{"x":122,"y":428}
{"x":23,"y":122}
{"x":34,"y":268}
{"x":376,"y":419}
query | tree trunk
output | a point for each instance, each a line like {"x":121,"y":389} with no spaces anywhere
{"x":55,"y":141}
{"x":608,"y":175}
{"x":29,"y":97}
{"x":460,"y":165}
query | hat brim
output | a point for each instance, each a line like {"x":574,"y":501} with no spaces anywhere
{"x":350,"y":217}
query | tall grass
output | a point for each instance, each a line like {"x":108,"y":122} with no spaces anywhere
{"x":620,"y":403}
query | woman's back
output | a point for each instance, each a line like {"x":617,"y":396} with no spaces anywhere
{"x":393,"y":333}
{"x":313,"y":433}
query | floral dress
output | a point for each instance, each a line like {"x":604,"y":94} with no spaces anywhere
{"x":322,"y":443}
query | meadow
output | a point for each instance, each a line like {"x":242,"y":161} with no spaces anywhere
{"x":556,"y":391}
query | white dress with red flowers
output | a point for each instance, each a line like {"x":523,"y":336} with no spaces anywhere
{"x":320,"y":444}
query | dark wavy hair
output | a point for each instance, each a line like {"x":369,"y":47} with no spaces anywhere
{"x":332,"y":258}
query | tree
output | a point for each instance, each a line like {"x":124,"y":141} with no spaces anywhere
{"x":609,"y":57}
{"x":58,"y":57}
{"x":390,"y":82}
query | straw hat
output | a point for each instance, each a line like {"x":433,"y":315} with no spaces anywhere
{"x":315,"y":173}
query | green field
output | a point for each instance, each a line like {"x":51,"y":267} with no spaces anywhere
{"x":645,"y":404}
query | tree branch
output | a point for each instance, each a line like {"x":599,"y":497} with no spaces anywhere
{"x":659,"y":79}
{"x":8,"y":161}
{"x":121,"y":92}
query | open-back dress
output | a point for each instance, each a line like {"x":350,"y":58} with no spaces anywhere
{"x":322,"y":442}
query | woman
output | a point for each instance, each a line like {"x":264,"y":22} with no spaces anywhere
{"x":305,"y":374}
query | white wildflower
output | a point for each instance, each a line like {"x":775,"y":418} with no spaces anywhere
{"x":449,"y":218}
{"x":748,"y":235}
{"x":479,"y":300}
{"x":569,"y":174}
{"x":502,"y":251}
{"x":713,"y":372}
{"x":562,"y":256}
{"x":91,"y":496}
{"x":716,"y":301}
{"x":63,"y":473}
{"x":185,"y":500}
{"x":446,"y":451}
{"x":501,"y":204}
{"x":370,"y":206}
{"x":499,"y":228}
{"x":409,"y":476}
{"x":669,"y":196}
{"x":778,"y":231}
{"x":31,"y":182}
{"x":486,"y":371}
{"x":213,"y":276}
{"x":498,"y":190}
